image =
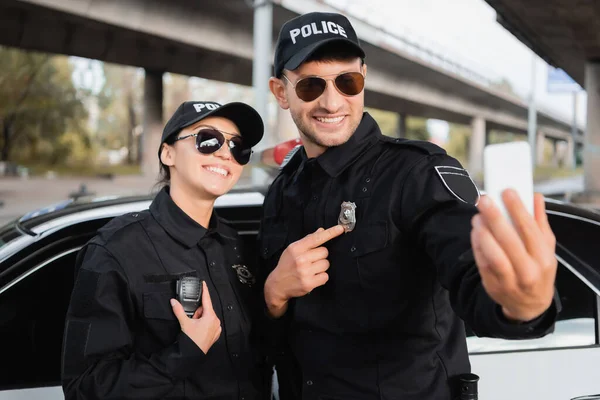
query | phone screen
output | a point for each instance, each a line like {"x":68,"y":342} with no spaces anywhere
{"x":508,"y":165}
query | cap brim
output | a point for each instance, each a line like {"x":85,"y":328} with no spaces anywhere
{"x":246,"y":118}
{"x":306,"y":52}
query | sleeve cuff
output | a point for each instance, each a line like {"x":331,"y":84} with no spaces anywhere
{"x":538,"y":327}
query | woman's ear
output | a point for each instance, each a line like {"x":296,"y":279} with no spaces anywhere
{"x":277,"y":87}
{"x":167,"y":155}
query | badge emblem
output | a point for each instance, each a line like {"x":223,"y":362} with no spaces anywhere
{"x":347,"y":216}
{"x":244,"y":275}
{"x":459,"y":183}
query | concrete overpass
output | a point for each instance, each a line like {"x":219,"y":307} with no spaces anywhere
{"x":565,"y":34}
{"x":213,"y":40}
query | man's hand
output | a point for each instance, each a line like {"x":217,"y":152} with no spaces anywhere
{"x":301,"y":268}
{"x":204,"y":328}
{"x":516,"y":261}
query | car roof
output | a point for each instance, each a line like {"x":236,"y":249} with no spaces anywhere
{"x":47,"y":220}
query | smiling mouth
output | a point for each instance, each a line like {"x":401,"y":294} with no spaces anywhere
{"x":327,"y":120}
{"x":217,"y":171}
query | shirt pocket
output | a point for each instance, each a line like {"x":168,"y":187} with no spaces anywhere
{"x":160,"y":321}
{"x":370,"y":238}
{"x":157,"y":305}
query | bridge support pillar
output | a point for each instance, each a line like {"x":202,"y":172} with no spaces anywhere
{"x":569,"y":159}
{"x":153,"y":122}
{"x":401,"y":132}
{"x":476,"y":145}
{"x":540,"y":142}
{"x":591,"y":155}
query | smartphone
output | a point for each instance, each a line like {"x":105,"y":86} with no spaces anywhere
{"x":508,"y":165}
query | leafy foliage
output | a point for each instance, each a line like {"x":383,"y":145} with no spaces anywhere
{"x":39,"y":105}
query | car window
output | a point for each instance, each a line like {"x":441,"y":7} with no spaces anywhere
{"x":32,"y":313}
{"x":576,"y":324}
{"x":8,"y":232}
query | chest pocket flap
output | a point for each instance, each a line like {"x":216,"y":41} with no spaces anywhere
{"x":369,"y":238}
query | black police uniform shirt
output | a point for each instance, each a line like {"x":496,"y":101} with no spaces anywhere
{"x":387,"y":324}
{"x":123,"y":340}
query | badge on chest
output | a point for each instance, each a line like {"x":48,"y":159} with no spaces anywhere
{"x":244,"y":275}
{"x":347,"y":216}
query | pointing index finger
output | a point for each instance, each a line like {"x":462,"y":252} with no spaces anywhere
{"x":320,"y":237}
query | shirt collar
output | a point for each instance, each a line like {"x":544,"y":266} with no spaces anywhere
{"x":336,"y":159}
{"x":178,"y":224}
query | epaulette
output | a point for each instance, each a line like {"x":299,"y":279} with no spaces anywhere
{"x":421,"y":145}
{"x":117,"y":225}
{"x":287,"y":160}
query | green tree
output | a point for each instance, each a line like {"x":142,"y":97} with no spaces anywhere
{"x":120,"y":104}
{"x":38,"y":105}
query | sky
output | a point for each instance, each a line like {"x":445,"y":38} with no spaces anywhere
{"x":466,"y":32}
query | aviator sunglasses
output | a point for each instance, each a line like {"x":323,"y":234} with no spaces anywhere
{"x":209,"y":140}
{"x":310,"y":88}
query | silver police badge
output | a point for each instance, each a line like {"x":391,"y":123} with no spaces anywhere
{"x":244,"y":275}
{"x":347,"y":216}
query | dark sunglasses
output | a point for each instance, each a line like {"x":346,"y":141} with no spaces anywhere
{"x":209,"y":140}
{"x":310,"y":88}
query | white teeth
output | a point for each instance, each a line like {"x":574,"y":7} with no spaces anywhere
{"x":330,"y":120}
{"x":218,"y":170}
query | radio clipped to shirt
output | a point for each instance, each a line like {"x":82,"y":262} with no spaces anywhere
{"x":189,"y":293}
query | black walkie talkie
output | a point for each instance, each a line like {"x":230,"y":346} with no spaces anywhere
{"x":189,"y":293}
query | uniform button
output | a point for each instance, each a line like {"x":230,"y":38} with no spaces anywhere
{"x":230,"y":307}
{"x":235,"y":355}
{"x":265,"y":251}
{"x":364,"y":189}
{"x":309,"y":383}
{"x":212,"y":263}
{"x":368,"y":180}
{"x":315,"y":198}
{"x":353,"y":249}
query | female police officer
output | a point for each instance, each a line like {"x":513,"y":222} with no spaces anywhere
{"x":126,"y":335}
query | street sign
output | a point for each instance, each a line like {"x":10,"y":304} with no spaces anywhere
{"x":560,"y":82}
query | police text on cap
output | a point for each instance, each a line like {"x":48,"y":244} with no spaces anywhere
{"x":312,"y":29}
{"x":210,"y":106}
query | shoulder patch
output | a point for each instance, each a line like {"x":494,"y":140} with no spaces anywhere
{"x":288,"y":157}
{"x":459,"y":184}
{"x":421,"y":145}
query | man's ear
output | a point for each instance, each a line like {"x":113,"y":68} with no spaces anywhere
{"x":277,"y":87}
{"x":167,"y":155}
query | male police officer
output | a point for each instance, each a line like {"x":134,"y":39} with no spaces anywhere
{"x":375,"y":312}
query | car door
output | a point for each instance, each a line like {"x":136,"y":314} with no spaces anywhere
{"x":34,"y":296}
{"x":563,"y":364}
